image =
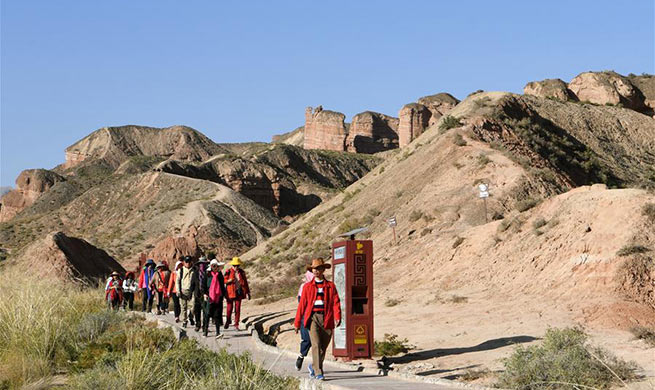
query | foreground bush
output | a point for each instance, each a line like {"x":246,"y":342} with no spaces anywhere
{"x":564,"y":361}
{"x":47,"y":328}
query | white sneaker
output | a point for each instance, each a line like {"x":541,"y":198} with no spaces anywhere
{"x":219,"y":336}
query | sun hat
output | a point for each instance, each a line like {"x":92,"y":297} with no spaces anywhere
{"x":320,"y":263}
{"x":236,"y":261}
{"x":115,"y":273}
{"x":162,"y":265}
{"x":216,"y":262}
{"x":150,"y":261}
{"x":178,"y":264}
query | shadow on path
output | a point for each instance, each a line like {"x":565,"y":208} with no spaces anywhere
{"x":485,"y":346}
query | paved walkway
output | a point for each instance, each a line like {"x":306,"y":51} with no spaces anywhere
{"x":338,"y":376}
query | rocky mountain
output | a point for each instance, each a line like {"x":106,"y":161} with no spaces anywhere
{"x":172,"y":191}
{"x":4,"y":190}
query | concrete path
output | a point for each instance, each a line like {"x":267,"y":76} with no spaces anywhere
{"x":338,"y":375}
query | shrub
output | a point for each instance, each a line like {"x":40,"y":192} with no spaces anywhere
{"x":391,"y":302}
{"x":458,"y":242}
{"x":539,"y":222}
{"x":649,"y":212}
{"x":644,"y":333}
{"x":483,"y":160}
{"x":458,"y":299}
{"x":526,"y":204}
{"x":391,"y":345}
{"x":459,"y":140}
{"x":449,"y":122}
{"x":415,"y":215}
{"x":563,"y":361}
{"x":628,"y":250}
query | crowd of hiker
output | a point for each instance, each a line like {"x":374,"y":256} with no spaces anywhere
{"x":199,"y":288}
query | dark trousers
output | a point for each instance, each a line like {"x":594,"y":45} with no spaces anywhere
{"x":306,"y":342}
{"x":147,"y":302}
{"x":197,"y":309}
{"x":236,"y":304}
{"x":215,"y":312}
{"x":162,"y":302}
{"x":128,"y":300}
{"x":176,"y":305}
{"x":115,"y":303}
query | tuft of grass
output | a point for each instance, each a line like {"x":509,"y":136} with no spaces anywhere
{"x":539,"y":222}
{"x":527,"y":204}
{"x":483,"y":160}
{"x":564,"y":360}
{"x":644,"y":333}
{"x":449,"y":122}
{"x":392,"y":302}
{"x":458,"y":242}
{"x":472,"y":374}
{"x":415,"y":215}
{"x":628,"y":250}
{"x":459,"y":140}
{"x":391,"y":345}
{"x":648,"y":211}
{"x":458,"y":299}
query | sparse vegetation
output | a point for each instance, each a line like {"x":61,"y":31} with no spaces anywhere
{"x":527,"y":204}
{"x":391,"y":302}
{"x":449,"y":122}
{"x":632,"y":249}
{"x":649,"y":212}
{"x":458,"y":242}
{"x":539,"y":223}
{"x":391,"y":345}
{"x":473,"y":374}
{"x":644,"y":333}
{"x":564,"y":360}
{"x":483,"y":159}
{"x":459,"y":140}
{"x":415,"y":215}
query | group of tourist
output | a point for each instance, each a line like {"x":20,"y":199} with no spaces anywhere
{"x":197,"y":290}
{"x":202,"y":286}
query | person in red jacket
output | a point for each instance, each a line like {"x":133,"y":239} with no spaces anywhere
{"x":319,"y":310}
{"x":237,"y":289}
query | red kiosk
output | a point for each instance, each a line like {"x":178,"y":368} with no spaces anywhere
{"x":352,"y":273}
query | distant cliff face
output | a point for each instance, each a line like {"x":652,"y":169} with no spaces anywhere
{"x":30,"y":185}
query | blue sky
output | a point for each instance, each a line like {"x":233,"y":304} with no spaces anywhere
{"x":243,"y":71}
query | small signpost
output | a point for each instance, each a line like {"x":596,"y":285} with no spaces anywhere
{"x":392,"y":223}
{"x":484,"y":194}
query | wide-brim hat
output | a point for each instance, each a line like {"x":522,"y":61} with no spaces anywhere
{"x":150,"y":261}
{"x":320,"y":263}
{"x":162,"y":265}
{"x":236,"y":261}
{"x":216,"y":262}
{"x":115,"y":273}
{"x":178,"y":264}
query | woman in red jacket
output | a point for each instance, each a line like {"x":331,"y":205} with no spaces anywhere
{"x":237,"y":289}
{"x":319,"y":310}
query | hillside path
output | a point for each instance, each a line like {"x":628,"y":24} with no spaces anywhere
{"x":337,"y":375}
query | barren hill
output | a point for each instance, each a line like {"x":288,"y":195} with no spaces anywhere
{"x":554,"y":250}
{"x":136,"y":189}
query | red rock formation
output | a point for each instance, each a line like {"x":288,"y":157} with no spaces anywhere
{"x":324,"y":129}
{"x":439,"y":105}
{"x":172,"y":248}
{"x":550,"y":88}
{"x":607,"y":88}
{"x":414,"y":119}
{"x":30,"y":184}
{"x":372,"y":132}
{"x":68,"y":258}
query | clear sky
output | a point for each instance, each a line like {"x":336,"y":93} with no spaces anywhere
{"x":243,"y":71}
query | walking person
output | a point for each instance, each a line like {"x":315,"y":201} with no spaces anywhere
{"x":213,"y":293}
{"x":184,"y":282}
{"x":199,"y":278}
{"x":173,"y":291}
{"x":147,"y":294}
{"x":320,"y":311}
{"x":114,"y":291}
{"x":159,"y":284}
{"x":129,"y":289}
{"x":237,"y":289}
{"x":305,"y":343}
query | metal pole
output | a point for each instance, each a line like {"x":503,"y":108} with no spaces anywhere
{"x":485,"y":210}
{"x":394,"y":236}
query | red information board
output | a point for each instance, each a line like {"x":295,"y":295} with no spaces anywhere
{"x":352,"y":271}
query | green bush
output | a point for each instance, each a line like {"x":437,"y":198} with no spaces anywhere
{"x":649,"y":212}
{"x":391,"y":345}
{"x":526,"y":204}
{"x":449,"y":122}
{"x":564,"y":360}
